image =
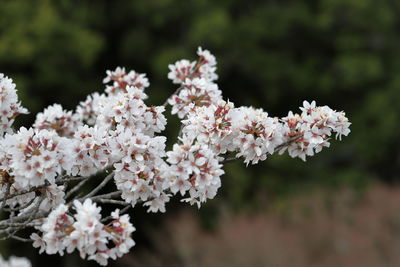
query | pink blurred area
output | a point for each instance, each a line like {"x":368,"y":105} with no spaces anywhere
{"x":320,"y":229}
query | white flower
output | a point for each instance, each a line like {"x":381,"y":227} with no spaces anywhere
{"x":197,"y":92}
{"x":180,"y":71}
{"x":55,"y":228}
{"x":85,"y":232}
{"x":127,"y":110}
{"x":54,"y":196}
{"x":89,"y":151}
{"x":196,"y":165}
{"x":206,"y":56}
{"x":208,"y":64}
{"x":121,"y":80}
{"x":57,"y":119}
{"x":88,"y":110}
{"x":258,"y":134}
{"x":15,"y":262}
{"x":138,"y":175}
{"x":309,"y":132}
{"x":118,"y":129}
{"x":212,"y":126}
{"x":34,"y":156}
{"x":157,"y":204}
{"x":9,"y":105}
{"x":308,"y":108}
{"x":38,"y":242}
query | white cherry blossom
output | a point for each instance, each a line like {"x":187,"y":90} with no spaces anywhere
{"x":50,"y":174}
{"x":15,"y":262}
{"x":10,"y":108}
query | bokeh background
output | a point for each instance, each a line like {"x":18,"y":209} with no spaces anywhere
{"x":340,"y":208}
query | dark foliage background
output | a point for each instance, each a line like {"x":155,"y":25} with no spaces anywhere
{"x":271,"y":54}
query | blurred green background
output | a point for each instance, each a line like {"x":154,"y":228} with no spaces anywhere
{"x":271,"y":54}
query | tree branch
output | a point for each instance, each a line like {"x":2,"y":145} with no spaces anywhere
{"x":101,"y":185}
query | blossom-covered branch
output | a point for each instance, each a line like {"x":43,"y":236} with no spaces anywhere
{"x":50,"y":173}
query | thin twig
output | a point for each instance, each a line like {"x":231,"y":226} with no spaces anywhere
{"x":21,"y":239}
{"x":32,"y":224}
{"x":4,"y":200}
{"x":59,"y":181}
{"x":20,"y":207}
{"x":34,"y":211}
{"x":76,"y":188}
{"x":35,"y":188}
{"x":230,"y":159}
{"x":101,"y":185}
{"x":105,"y":196}
{"x":112,"y":201}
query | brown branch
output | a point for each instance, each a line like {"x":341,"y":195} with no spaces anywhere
{"x":101,"y":185}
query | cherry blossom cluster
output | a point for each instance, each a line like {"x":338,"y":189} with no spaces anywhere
{"x":55,"y":118}
{"x":140,"y":173}
{"x":10,"y":108}
{"x":195,"y":169}
{"x":85,"y":232}
{"x":253,"y":135}
{"x":121,"y":80}
{"x":44,"y":169}
{"x":312,"y":129}
{"x":89,"y":151}
{"x":88,"y":110}
{"x":128,"y":110}
{"x":204,"y":67}
{"x":15,"y":262}
{"x":197,"y":83}
{"x":224,"y":128}
{"x":33,"y":157}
